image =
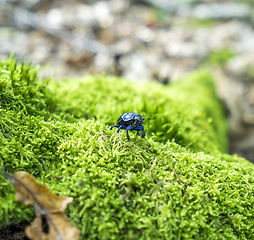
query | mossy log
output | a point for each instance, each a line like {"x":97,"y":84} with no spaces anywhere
{"x":59,"y":132}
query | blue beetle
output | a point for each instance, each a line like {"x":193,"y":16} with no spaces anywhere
{"x":130,"y":122}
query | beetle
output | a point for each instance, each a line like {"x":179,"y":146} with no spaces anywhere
{"x":130,"y":122}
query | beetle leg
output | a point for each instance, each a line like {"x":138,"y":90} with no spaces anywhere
{"x":143,"y":133}
{"x":137,"y":132}
{"x":128,"y":136}
{"x":141,"y":128}
{"x":114,"y":126}
{"x":118,"y":129}
{"x":127,"y":132}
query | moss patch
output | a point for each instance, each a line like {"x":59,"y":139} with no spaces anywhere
{"x":59,"y":132}
{"x":220,"y":57}
{"x":179,"y":112}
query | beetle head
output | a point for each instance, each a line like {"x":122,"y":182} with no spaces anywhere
{"x":138,"y":120}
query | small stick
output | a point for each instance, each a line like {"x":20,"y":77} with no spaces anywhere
{"x":152,"y":167}
{"x":185,"y":184}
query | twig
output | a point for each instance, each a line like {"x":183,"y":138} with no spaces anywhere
{"x":152,"y":167}
{"x":185,"y":184}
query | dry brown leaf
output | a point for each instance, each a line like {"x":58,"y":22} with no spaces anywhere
{"x":28,"y":191}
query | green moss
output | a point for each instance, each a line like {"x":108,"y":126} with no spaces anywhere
{"x":195,"y":23}
{"x":160,"y":16}
{"x":125,"y":189}
{"x":175,"y":111}
{"x":221,"y":56}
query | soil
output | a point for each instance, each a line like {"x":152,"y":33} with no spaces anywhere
{"x":14,"y":231}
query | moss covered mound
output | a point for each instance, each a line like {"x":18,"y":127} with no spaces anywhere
{"x":59,"y":132}
{"x":182,"y":111}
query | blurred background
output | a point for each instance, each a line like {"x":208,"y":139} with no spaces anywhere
{"x":145,"y":40}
